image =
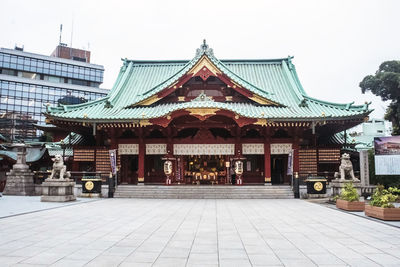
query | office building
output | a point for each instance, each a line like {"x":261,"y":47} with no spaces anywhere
{"x":29,"y":82}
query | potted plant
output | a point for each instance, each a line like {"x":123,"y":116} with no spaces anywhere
{"x":349,"y":199}
{"x":381,"y":206}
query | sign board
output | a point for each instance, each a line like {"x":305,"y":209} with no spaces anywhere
{"x":387,"y":155}
{"x":290,"y":163}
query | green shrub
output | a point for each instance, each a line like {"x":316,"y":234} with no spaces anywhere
{"x":382,"y":198}
{"x":349,"y":193}
{"x":394,"y":191}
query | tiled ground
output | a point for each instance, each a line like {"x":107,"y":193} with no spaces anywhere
{"x":140,"y":232}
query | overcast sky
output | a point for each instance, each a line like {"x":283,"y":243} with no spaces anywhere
{"x":334,"y":43}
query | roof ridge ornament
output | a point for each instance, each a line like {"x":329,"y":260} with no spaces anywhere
{"x":204,"y":49}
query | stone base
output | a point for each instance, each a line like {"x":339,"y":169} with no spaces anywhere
{"x":339,"y":184}
{"x":57,"y":190}
{"x":91,"y":195}
{"x":20,"y":183}
{"x":311,"y":196}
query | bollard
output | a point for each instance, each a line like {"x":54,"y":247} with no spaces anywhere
{"x":110,"y":186}
{"x":296,"y":185}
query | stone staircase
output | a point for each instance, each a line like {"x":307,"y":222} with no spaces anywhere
{"x":203,"y":191}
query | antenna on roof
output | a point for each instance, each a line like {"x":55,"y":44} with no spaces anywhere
{"x":60,"y":33}
{"x":72,"y":30}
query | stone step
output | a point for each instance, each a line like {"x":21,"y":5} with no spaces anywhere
{"x":201,"y":192}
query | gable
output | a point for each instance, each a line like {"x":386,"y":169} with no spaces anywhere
{"x":205,"y":68}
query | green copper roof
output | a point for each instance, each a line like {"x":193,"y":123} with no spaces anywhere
{"x":274,"y":79}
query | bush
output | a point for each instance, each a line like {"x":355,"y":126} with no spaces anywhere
{"x":349,"y":193}
{"x":382,"y":198}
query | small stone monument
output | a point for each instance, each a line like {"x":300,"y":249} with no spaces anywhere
{"x":20,"y":178}
{"x":58,"y":187}
{"x":345,"y":175}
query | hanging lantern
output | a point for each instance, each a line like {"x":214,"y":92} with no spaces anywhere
{"x":239,"y":167}
{"x":168,"y":167}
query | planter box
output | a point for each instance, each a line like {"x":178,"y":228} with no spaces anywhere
{"x":387,"y":214}
{"x":350,"y":205}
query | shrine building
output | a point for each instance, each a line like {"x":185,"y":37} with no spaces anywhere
{"x":204,"y":114}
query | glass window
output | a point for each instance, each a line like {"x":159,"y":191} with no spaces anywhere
{"x":46,"y":64}
{"x":52,"y":65}
{"x":11,"y":86}
{"x":7,"y":58}
{"x":19,"y":87}
{"x":27,"y":61}
{"x":40,"y":63}
{"x":20,"y":60}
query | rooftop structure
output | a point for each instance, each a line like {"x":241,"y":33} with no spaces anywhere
{"x":29,"y":82}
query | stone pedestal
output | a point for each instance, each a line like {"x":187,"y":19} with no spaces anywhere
{"x":20,"y":178}
{"x":58,"y":190}
{"x":339,"y":184}
{"x":20,"y":183}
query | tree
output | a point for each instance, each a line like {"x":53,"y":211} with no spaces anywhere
{"x":386,"y":84}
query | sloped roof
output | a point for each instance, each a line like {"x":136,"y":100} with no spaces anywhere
{"x":273,"y":79}
{"x":32,"y":154}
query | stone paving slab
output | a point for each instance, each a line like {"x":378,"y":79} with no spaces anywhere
{"x":196,"y":232}
{"x":14,"y":205}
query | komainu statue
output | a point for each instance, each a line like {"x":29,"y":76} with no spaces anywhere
{"x":59,"y":169}
{"x":346,"y":169}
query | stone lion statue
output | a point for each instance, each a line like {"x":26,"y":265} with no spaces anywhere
{"x":346,"y":169}
{"x":59,"y":170}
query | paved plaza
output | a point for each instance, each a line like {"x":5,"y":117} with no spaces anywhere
{"x":190,"y":232}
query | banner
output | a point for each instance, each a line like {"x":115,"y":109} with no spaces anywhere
{"x":113,"y":160}
{"x":290,"y":163}
{"x":387,"y":155}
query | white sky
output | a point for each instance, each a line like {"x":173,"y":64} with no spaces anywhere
{"x":334,"y":43}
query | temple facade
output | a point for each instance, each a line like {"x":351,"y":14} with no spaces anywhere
{"x":204,"y":114}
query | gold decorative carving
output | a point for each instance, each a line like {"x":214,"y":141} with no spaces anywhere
{"x":262,"y":122}
{"x":145,"y":123}
{"x":318,"y":186}
{"x":267,"y":179}
{"x":204,"y":61}
{"x":148,"y":101}
{"x":89,"y":185}
{"x":181,"y":98}
{"x":140,"y":179}
{"x":228,"y":98}
{"x":202,"y":111}
{"x":262,"y":100}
